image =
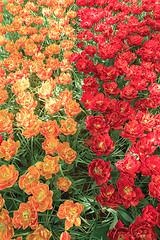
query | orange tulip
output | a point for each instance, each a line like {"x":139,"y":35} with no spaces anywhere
{"x":18,"y":238}
{"x":26,"y":100}
{"x":49,"y":166}
{"x":50,"y":145}
{"x":66,"y":153}
{"x":68,"y":30}
{"x":3,"y":96}
{"x":65,"y":65}
{"x":2,"y":201}
{"x":6,"y":121}
{"x":42,"y":197}
{"x":53,"y":105}
{"x":71,"y":14}
{"x":52,"y":49}
{"x":71,"y":212}
{"x":8,"y":149}
{"x":67,"y":3}
{"x":68,"y":126}
{"x":64,"y":78}
{"x":33,"y":129}
{"x":54,"y":33}
{"x":53,"y":63}
{"x":38,"y":20}
{"x":29,"y":180}
{"x":40,"y":233}
{"x":67,"y":44}
{"x":25,"y":117}
{"x":72,"y":108}
{"x":25,"y":216}
{"x":65,"y":96}
{"x":64,"y":184}
{"x":50,"y":129}
{"x":6,"y":231}
{"x":46,"y":90}
{"x":65,"y":236}
{"x":8,"y":176}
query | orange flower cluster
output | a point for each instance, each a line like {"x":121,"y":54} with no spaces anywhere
{"x":36,"y":65}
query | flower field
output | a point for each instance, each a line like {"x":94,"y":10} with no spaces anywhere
{"x":80,"y":119}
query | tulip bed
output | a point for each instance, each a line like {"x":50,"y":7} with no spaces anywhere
{"x":79,"y":119}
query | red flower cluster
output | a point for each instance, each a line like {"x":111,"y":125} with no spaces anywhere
{"x":121,"y":90}
{"x":138,"y":230}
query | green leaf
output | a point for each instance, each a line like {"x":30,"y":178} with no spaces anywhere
{"x":126,"y":216}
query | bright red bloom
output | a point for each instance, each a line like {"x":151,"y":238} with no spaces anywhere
{"x":85,"y":66}
{"x":115,"y":121}
{"x":154,"y":187}
{"x":156,"y":132}
{"x":129,"y":193}
{"x":109,"y":197}
{"x":150,"y":215}
{"x":147,"y":120}
{"x":99,"y":103}
{"x":141,"y":230}
{"x":129,"y":166}
{"x":135,"y":40}
{"x":158,"y":215}
{"x":96,"y":124}
{"x":118,"y":232}
{"x":110,"y":88}
{"x":108,"y":51}
{"x":151,"y":166}
{"x":102,"y":144}
{"x":90,"y":85}
{"x":100,"y":170}
{"x":144,"y":147}
{"x":91,"y":50}
{"x":129,"y":93}
{"x":132,"y":130}
{"x":1,"y":140}
{"x":105,"y":73}
{"x":85,"y":36}
{"x":87,"y":24}
{"x":125,"y":110}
